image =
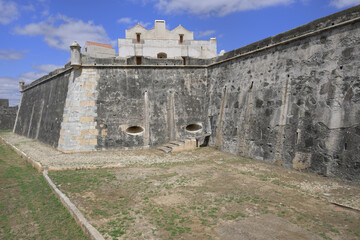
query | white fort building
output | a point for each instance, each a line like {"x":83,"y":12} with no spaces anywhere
{"x":157,"y":42}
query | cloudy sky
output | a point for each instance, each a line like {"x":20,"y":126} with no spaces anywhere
{"x":36,"y":34}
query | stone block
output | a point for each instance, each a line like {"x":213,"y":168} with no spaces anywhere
{"x":89,"y":86}
{"x":75,"y":108}
{"x":87,"y":103}
{"x":88,"y":142}
{"x":89,"y":132}
{"x":90,"y":95}
{"x":92,"y":141}
{"x":104,"y":132}
{"x":86,"y":119}
{"x":77,"y":137}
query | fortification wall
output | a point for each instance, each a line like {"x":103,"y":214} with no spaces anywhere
{"x":296,"y":104}
{"x":163,"y":101}
{"x":156,"y":103}
{"x":292,"y":99}
{"x":7,"y":115}
{"x":41,"y":108}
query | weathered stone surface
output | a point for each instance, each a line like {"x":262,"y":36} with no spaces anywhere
{"x":292,"y":99}
{"x":175,"y":98}
{"x":78,"y":132}
{"x":7,"y":115}
{"x":301,"y":160}
{"x":41,"y":108}
{"x":298,"y":97}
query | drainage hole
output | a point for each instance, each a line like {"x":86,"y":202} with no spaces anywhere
{"x":193,"y":127}
{"x":134,"y":130}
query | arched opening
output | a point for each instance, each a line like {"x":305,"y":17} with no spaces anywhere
{"x":194,"y":127}
{"x":134,"y":130}
{"x":162,"y":55}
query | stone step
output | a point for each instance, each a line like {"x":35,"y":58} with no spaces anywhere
{"x":178,"y":145}
{"x":164,"y":149}
{"x":170,"y":145}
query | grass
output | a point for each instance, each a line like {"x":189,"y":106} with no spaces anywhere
{"x":5,"y":131}
{"x":28,"y":208}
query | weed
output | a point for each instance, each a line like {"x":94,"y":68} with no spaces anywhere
{"x":323,"y":235}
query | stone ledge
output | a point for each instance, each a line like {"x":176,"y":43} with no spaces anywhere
{"x":48,"y":77}
{"x":32,"y":162}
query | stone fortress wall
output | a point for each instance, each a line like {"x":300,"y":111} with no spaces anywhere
{"x":292,"y":99}
{"x":7,"y":115}
{"x":42,"y":105}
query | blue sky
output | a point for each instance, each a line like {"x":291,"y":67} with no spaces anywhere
{"x":36,"y":34}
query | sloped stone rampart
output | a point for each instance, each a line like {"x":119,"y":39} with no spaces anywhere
{"x":292,"y":99}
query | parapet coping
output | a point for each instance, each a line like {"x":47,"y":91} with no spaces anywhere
{"x":259,"y":49}
{"x":45,"y":79}
{"x":236,"y":56}
{"x":286,"y":41}
{"x":143,"y":66}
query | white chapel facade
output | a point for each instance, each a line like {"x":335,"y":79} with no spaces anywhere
{"x":160,"y":42}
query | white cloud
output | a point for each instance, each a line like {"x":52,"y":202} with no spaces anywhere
{"x":344,"y":3}
{"x":126,"y":20}
{"x":8,"y":12}
{"x":215,"y":7}
{"x":10,"y":90}
{"x":205,"y":33}
{"x":10,"y":86}
{"x":60,"y":32}
{"x":130,"y":21}
{"x":29,"y":77}
{"x":12,"y":54}
{"x":47,"y":67}
{"x":29,"y":8}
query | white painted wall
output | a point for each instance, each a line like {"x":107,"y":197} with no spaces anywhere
{"x":98,"y":52}
{"x":159,"y":39}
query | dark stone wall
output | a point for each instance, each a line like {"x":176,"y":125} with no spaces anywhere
{"x":4,"y":102}
{"x":41,"y":109}
{"x":292,"y":100}
{"x":315,"y":27}
{"x":176,"y":97}
{"x":7,"y":115}
{"x":296,"y":104}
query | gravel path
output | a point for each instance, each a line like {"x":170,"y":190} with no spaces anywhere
{"x":49,"y":157}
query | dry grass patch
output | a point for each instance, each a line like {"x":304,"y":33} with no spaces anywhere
{"x":223,"y":198}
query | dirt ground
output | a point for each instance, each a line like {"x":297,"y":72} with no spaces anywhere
{"x":214,"y":196}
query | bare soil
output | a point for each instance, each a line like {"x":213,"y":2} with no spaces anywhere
{"x":213,"y":196}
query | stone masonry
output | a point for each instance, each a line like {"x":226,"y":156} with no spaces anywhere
{"x":7,"y":115}
{"x":292,"y":99}
{"x":78,"y":129}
